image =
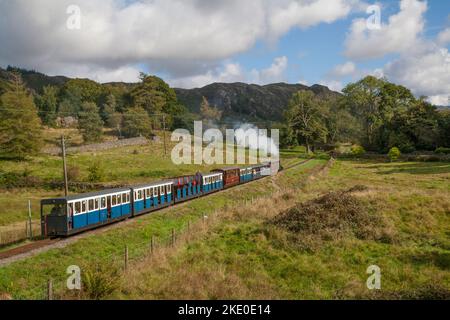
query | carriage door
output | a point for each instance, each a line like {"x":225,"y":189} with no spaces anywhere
{"x":108,"y":206}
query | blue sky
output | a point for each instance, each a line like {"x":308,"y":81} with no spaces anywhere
{"x":313,"y":52}
{"x":191,"y":43}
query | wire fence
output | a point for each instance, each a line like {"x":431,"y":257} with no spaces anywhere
{"x":126,"y":254}
{"x":126,"y":257}
{"x":19,"y":234}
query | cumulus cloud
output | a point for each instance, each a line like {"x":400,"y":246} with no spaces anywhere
{"x":333,"y":85}
{"x":184,"y":38}
{"x":400,"y":34}
{"x":443,"y":37}
{"x":422,"y":65}
{"x":307,"y":13}
{"x":426,"y":72}
{"x":342,"y":70}
{"x":234,"y":72}
{"x":274,"y":73}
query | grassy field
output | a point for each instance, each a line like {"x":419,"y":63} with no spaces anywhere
{"x":238,"y":251}
{"x":243,"y":256}
{"x":27,"y":278}
{"x":240,"y":254}
{"x":125,"y":166}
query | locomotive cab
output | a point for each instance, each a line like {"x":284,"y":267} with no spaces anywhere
{"x":54,"y":217}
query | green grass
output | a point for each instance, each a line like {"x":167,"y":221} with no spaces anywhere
{"x":262,"y":262}
{"x":26,"y":279}
{"x":125,"y":165}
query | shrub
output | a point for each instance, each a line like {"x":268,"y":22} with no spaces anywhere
{"x":442,"y":150}
{"x":100,"y":281}
{"x":394,"y":154}
{"x":96,"y":172}
{"x":357,"y":150}
{"x":73,"y":173}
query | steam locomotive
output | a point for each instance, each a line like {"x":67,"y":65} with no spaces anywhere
{"x":63,"y":217}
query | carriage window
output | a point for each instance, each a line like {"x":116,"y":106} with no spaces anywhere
{"x":114,"y":200}
{"x":161,"y":190}
{"x":77,"y":207}
{"x":124,"y":197}
{"x":169,"y":188}
{"x":128,"y":197}
{"x":91,"y":204}
{"x":83,"y":206}
{"x":119,"y":199}
{"x":96,"y":203}
{"x":103,"y":202}
{"x":70,"y":208}
{"x":140,"y":194}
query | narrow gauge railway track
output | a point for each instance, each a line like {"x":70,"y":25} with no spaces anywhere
{"x":41,"y":244}
{"x":35,"y":245}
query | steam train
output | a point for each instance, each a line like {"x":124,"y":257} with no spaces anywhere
{"x":63,"y":217}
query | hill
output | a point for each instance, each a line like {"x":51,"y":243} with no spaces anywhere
{"x":34,"y":80}
{"x":248,"y":102}
{"x":238,"y":101}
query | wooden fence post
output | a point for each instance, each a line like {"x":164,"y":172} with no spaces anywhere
{"x":29,"y":219}
{"x":151,"y":245}
{"x":50,"y":289}
{"x":126,"y":258}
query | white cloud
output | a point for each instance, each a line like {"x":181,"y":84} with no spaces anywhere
{"x":399,"y":35}
{"x":165,"y":34}
{"x":425,"y":73}
{"x":233,"y":72}
{"x":305,"y":14}
{"x":230,"y":72}
{"x":275,"y":73}
{"x":443,"y":100}
{"x":423,"y":65}
{"x":333,"y":85}
{"x":443,"y":37}
{"x":342,"y":70}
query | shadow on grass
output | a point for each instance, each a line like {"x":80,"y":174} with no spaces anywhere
{"x":417,"y":168}
{"x":385,"y":168}
{"x":439,"y":259}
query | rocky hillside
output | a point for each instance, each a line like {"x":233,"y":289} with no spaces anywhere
{"x":35,"y":80}
{"x":248,"y":102}
{"x":238,"y":101}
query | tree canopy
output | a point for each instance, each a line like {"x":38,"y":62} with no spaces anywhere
{"x":20,"y":126}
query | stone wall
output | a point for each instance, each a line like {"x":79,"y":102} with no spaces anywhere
{"x":99,"y":146}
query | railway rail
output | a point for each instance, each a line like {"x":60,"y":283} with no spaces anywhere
{"x":41,"y":244}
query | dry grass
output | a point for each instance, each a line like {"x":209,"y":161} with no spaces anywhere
{"x":333,"y":216}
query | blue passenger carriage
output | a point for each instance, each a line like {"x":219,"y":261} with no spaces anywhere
{"x":151,"y":196}
{"x":187,"y":187}
{"x":212,"y":182}
{"x":76,"y":213}
{"x":246,"y":175}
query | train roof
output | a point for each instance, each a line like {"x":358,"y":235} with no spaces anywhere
{"x":152,"y":184}
{"x":226,"y":169}
{"x":87,"y":195}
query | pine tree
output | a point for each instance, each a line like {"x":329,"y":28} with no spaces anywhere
{"x":47,"y":104}
{"x":20,"y":126}
{"x":90,"y":123}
